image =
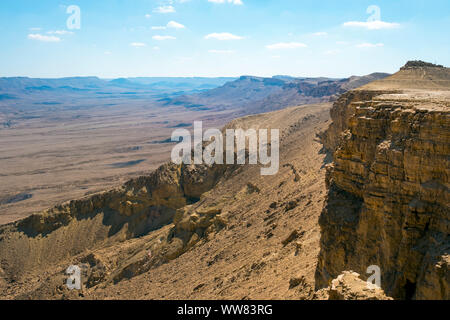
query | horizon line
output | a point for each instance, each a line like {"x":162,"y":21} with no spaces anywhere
{"x":187,"y":77}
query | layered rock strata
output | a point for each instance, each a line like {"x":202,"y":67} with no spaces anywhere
{"x":388,"y":199}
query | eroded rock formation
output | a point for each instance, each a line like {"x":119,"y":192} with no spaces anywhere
{"x":349,"y":286}
{"x":388,"y":199}
{"x":140,"y":206}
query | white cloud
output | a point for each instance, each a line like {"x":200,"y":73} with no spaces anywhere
{"x":40,"y":37}
{"x":171,"y":24}
{"x":162,"y":38}
{"x":221,"y":51}
{"x":320,"y":34}
{"x":138,"y":44}
{"x":332,"y":52}
{"x":370,"y":45}
{"x":372,"y":25}
{"x":107,"y":52}
{"x":175,"y":25}
{"x":223,"y":36}
{"x":148,"y":16}
{"x":165,"y":9}
{"x":236,"y":2}
{"x":60,"y":32}
{"x":286,"y":45}
{"x":155,"y":48}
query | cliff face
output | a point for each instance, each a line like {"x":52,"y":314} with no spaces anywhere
{"x":140,"y":206}
{"x":388,"y":198}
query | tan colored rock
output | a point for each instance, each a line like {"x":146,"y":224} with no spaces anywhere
{"x":348,"y":286}
{"x":388,"y":195}
{"x":140,"y":205}
{"x":2,"y":278}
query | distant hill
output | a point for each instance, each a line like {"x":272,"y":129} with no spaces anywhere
{"x":249,"y":95}
{"x":415,"y":75}
{"x":243,"y":95}
{"x":15,"y":86}
{"x":191,"y":83}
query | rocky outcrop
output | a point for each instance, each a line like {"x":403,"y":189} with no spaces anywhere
{"x":348,"y":286}
{"x":341,"y":112}
{"x":388,"y":198}
{"x":420,"y":64}
{"x":190,"y":226}
{"x":133,"y":210}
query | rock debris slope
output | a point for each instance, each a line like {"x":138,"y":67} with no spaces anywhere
{"x":185,"y":232}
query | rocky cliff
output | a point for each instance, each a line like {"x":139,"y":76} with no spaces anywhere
{"x":131,"y":211}
{"x":388,"y":185}
{"x":209,"y":232}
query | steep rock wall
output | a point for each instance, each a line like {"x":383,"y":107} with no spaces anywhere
{"x":388,"y":200}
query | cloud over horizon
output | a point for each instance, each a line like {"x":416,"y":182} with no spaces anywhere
{"x":370,"y":45}
{"x":162,"y":38}
{"x":372,"y":25}
{"x":235,"y":2}
{"x":221,"y":51}
{"x":223,"y":36}
{"x":60,"y":32}
{"x":164,"y":9}
{"x":138,"y":44}
{"x":286,"y":45}
{"x":43,"y":38}
{"x":175,"y":25}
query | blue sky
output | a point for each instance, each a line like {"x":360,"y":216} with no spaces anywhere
{"x":126,"y":38}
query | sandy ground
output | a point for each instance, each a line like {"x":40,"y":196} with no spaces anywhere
{"x":253,"y":257}
{"x":64,"y":155}
{"x":248,"y":259}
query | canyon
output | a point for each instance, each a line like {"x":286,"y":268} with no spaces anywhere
{"x":363,"y":181}
{"x":63,"y":139}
